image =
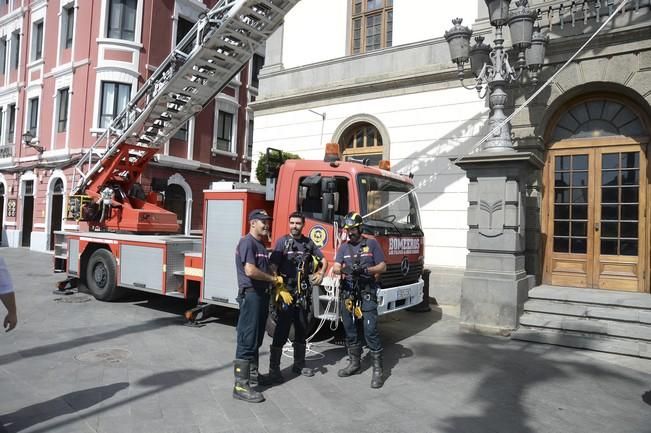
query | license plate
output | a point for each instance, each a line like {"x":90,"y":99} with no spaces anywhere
{"x":403,"y":293}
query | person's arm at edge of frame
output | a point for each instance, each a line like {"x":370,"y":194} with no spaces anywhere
{"x":11,"y":319}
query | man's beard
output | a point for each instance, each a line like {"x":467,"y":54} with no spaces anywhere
{"x":354,"y":237}
{"x":295,"y":232}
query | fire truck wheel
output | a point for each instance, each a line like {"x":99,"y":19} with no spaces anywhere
{"x":101,"y":274}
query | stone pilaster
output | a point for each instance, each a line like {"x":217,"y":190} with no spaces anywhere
{"x":495,"y":282}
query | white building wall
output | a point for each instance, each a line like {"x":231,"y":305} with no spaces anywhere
{"x":419,"y":20}
{"x":425,"y":129}
{"x":314,"y":32}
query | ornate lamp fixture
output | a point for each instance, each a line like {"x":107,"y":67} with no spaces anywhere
{"x":27,"y":139}
{"x":491,"y":66}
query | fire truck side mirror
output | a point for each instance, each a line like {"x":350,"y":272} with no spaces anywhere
{"x":328,"y":206}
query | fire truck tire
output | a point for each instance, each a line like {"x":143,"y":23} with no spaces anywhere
{"x":101,"y":276}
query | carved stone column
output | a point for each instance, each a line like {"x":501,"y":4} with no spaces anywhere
{"x":495,"y":283}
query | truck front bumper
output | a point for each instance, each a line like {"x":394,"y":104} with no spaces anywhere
{"x":399,"y":297}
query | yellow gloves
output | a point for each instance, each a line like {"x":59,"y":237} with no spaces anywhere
{"x":355,"y":309}
{"x":281,"y":292}
{"x":277,"y":281}
{"x":315,"y":279}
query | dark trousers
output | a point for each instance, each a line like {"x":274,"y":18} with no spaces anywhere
{"x":286,"y":316}
{"x":254,"y":307}
{"x":369,"y":322}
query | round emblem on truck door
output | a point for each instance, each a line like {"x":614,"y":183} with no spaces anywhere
{"x":404,"y":266}
{"x":319,"y":236}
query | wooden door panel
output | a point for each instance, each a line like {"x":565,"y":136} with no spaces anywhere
{"x":569,"y":272}
{"x":569,"y":218}
{"x":620,"y":203}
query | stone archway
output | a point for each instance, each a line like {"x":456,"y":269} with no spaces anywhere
{"x":178,"y":199}
{"x":27,"y":193}
{"x":596,"y":194}
{"x":55,"y":201}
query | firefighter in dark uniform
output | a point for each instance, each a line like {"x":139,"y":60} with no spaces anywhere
{"x":360,"y":261}
{"x":253,"y":279}
{"x":301,"y":264}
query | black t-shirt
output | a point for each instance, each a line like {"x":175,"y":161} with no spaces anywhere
{"x":367,"y":253}
{"x":250,"y":250}
{"x":289,"y":251}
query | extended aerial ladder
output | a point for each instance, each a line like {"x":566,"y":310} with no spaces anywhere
{"x":199,"y":67}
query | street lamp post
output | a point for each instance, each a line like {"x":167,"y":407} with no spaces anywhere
{"x":491,"y":67}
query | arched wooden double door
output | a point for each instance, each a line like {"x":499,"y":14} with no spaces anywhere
{"x":595,"y":228}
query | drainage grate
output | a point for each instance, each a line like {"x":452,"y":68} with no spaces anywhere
{"x":104,"y":356}
{"x":75,"y":298}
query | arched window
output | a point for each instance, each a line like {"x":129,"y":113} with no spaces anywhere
{"x":175,"y":202}
{"x":362,"y":140}
{"x":598,"y":118}
{"x":57,"y":188}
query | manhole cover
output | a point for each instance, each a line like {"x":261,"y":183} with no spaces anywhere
{"x":75,"y":298}
{"x":105,"y":356}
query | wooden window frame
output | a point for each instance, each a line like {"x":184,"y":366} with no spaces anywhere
{"x":383,"y":12}
{"x":32,"y":124}
{"x":63,"y":101}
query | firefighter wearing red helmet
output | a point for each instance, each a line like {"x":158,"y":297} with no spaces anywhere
{"x":360,"y":261}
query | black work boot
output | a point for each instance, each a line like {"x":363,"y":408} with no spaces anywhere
{"x":275,"y":376}
{"x":242,"y":389}
{"x":257,"y":378}
{"x":378,"y":372}
{"x":299,"y":361}
{"x":354,"y":357}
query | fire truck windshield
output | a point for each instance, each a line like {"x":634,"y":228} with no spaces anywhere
{"x":400,"y":216}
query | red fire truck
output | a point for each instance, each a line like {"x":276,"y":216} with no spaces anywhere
{"x":130,"y":243}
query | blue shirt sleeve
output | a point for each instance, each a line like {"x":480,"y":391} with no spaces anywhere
{"x":5,"y":280}
{"x":378,"y":254}
{"x":247,"y":252}
{"x":316,"y":250}
{"x":339,"y":257}
{"x":277,"y":253}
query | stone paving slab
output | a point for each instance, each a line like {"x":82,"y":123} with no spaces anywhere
{"x":131,"y":366}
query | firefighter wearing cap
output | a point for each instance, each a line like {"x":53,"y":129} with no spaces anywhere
{"x":253,"y":278}
{"x":301,"y":264}
{"x":360,"y":261}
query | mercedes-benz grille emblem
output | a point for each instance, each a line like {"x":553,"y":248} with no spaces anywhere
{"x":404,"y":267}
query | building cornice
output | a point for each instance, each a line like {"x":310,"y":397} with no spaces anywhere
{"x":12,"y":16}
{"x":192,"y":165}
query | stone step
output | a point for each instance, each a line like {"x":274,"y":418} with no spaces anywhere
{"x":596,"y":311}
{"x":629,"y":330}
{"x":600,"y":343}
{"x":592,"y":296}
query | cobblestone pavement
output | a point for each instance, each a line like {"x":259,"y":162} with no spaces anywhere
{"x":78,"y":365}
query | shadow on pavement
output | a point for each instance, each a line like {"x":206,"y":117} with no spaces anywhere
{"x":393,"y":329}
{"x":62,"y":405}
{"x":76,"y":342}
{"x":158,"y":382}
{"x":505,"y":375}
{"x":646,"y":397}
